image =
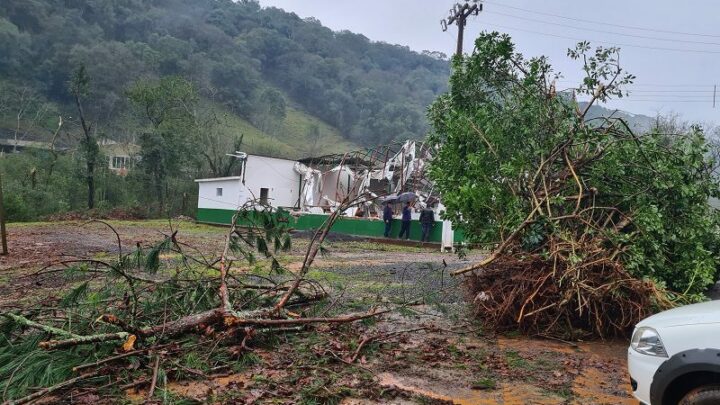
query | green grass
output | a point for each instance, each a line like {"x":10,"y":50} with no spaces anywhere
{"x":485,"y":383}
{"x":295,"y":142}
{"x":514,"y":360}
{"x":363,"y":246}
{"x":327,"y":276}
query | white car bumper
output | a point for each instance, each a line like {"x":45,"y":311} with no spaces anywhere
{"x":642,"y":370}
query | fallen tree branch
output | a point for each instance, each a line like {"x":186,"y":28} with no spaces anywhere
{"x":82,"y":340}
{"x":32,"y":324}
{"x":153,"y":384}
{"x":362,"y":344}
{"x":304,"y":321}
{"x":49,"y":390}
{"x":118,"y":357}
{"x":312,"y":250}
{"x":500,"y":249}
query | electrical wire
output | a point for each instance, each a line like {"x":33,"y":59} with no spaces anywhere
{"x":603,"y":31}
{"x":605,"y":42}
{"x":708,"y":102}
{"x":673,"y":91}
{"x":672,"y":96}
{"x":663,"y":86}
{"x":603,"y":22}
{"x":666,"y":85}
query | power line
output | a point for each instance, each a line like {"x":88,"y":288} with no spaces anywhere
{"x":669,"y":101}
{"x":648,"y":84}
{"x":604,"y":22}
{"x":672,"y":91}
{"x":604,"y":32}
{"x":606,"y":42}
{"x":666,"y":95}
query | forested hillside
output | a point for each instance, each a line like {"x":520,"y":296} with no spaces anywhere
{"x":254,"y":62}
{"x":187,"y":81}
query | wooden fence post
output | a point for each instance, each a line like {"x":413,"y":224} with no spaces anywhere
{"x":3,"y":233}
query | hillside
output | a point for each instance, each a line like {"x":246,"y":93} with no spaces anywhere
{"x":637,"y":122}
{"x":244,"y":57}
{"x":298,"y":135}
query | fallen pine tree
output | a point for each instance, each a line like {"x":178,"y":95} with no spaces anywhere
{"x":163,"y":307}
{"x":590,"y":226}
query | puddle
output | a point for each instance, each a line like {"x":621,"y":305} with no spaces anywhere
{"x":197,"y":390}
{"x":592,"y":386}
{"x":515,"y":393}
{"x":525,"y":344}
{"x":457,"y":396}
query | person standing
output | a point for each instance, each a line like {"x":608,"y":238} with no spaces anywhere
{"x":387,"y":218}
{"x":427,"y":220}
{"x":405,"y":226}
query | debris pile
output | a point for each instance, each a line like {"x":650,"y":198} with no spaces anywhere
{"x":557,"y":299}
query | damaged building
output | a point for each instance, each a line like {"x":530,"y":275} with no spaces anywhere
{"x":311,"y":188}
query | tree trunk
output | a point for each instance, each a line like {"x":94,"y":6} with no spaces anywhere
{"x":3,"y":233}
{"x":159,"y":191}
{"x":91,"y":183}
{"x":90,"y":154}
{"x":17,"y":131}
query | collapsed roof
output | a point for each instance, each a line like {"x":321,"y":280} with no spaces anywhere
{"x":378,"y":174}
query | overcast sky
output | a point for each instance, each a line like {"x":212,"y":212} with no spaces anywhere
{"x":672,"y":47}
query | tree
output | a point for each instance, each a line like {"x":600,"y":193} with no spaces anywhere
{"x":564,"y":198}
{"x":79,"y":87}
{"x":27,"y":108}
{"x":314,"y":136}
{"x":210,"y":127}
{"x":270,"y":111}
{"x":169,"y":142}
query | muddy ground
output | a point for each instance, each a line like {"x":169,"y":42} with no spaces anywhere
{"x":426,"y":353}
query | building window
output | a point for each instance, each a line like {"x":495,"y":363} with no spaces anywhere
{"x":264,"y":195}
{"x":218,"y":192}
{"x":119,"y":162}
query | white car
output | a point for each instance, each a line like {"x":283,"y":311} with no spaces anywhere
{"x":674,"y":356}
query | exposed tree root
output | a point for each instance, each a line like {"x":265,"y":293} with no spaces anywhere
{"x":555,"y":299}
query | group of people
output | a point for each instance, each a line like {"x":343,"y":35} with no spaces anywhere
{"x":427,"y":220}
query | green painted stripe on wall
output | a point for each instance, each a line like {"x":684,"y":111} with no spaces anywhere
{"x":349,"y":226}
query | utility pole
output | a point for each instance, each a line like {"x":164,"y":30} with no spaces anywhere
{"x":3,"y":233}
{"x":458,"y":16}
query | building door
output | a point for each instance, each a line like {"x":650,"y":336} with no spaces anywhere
{"x":264,"y":195}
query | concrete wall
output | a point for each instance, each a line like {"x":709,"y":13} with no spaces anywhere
{"x":233,"y":193}
{"x":344,"y":225}
{"x":278,"y":176}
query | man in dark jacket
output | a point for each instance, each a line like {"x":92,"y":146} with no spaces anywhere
{"x":405,"y":226}
{"x":427,"y":220}
{"x":387,"y":218}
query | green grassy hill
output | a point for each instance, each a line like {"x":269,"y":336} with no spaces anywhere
{"x":303,"y":135}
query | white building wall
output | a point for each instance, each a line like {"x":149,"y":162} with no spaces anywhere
{"x":233,"y":193}
{"x":278,"y":176}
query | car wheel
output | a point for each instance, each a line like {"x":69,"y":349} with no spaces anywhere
{"x":705,"y":395}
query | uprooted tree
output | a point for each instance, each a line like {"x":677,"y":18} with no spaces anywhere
{"x":590,"y":226}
